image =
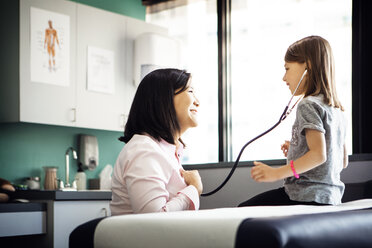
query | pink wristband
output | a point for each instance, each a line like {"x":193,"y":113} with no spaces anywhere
{"x":293,"y":170}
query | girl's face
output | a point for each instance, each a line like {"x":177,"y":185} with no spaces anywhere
{"x":186,"y":105}
{"x":293,"y":74}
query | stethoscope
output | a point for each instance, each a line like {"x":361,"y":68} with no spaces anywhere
{"x":284,"y":115}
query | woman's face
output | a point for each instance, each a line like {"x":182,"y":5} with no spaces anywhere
{"x":186,"y":105}
{"x":292,"y":76}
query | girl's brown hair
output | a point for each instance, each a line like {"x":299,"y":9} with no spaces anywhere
{"x":316,"y":52}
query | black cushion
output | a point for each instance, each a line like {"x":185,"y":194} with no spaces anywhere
{"x":341,"y":229}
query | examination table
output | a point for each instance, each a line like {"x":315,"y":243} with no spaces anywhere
{"x":345,"y":225}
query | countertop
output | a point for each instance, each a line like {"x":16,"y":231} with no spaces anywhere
{"x":58,"y":195}
{"x":22,"y":207}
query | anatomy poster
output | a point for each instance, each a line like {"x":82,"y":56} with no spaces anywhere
{"x":50,"y":47}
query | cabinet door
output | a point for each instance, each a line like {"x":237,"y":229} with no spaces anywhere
{"x":105,"y":31}
{"x":70,"y":214}
{"x":46,"y":102}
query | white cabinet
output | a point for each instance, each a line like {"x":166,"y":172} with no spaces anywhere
{"x":58,"y":215}
{"x":20,"y":99}
{"x":31,"y":215}
{"x":67,"y":215}
{"x":25,"y":100}
{"x":41,"y":102}
{"x":103,"y":30}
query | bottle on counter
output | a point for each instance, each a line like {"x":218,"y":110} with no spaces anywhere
{"x":81,"y":178}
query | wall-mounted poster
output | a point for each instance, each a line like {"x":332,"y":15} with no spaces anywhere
{"x":50,"y":47}
{"x":100,"y":74}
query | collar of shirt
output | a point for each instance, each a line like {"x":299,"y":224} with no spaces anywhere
{"x":172,"y":149}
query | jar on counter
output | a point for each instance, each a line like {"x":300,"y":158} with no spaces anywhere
{"x":50,"y":182}
{"x":33,"y":182}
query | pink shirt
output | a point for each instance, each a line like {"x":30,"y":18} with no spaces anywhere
{"x":147,"y":179}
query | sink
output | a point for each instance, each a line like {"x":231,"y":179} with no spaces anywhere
{"x":68,"y":189}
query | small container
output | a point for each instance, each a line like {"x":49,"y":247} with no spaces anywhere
{"x":81,"y":178}
{"x":61,"y":185}
{"x":94,"y":183}
{"x":33,"y":182}
{"x":50,"y":182}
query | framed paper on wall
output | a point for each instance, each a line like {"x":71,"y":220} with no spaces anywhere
{"x":100,"y":70}
{"x":50,"y":47}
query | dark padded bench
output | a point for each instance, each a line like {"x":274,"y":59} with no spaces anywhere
{"x":341,"y":229}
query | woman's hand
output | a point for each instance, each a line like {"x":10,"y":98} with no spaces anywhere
{"x":263,"y":173}
{"x":285,"y":147}
{"x":192,"y":177}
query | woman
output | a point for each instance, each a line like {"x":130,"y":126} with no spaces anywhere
{"x":148,"y":175}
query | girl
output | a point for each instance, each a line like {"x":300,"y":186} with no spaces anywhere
{"x":317,"y":153}
{"x":148,"y":176}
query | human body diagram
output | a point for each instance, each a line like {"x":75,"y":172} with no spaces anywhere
{"x":51,"y":38}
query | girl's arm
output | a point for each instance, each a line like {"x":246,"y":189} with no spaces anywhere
{"x":313,"y":158}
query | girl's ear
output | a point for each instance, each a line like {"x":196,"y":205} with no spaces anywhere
{"x":308,"y":65}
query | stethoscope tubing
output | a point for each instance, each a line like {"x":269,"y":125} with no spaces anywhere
{"x":282,"y":118}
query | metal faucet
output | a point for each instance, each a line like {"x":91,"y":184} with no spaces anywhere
{"x":67,"y":185}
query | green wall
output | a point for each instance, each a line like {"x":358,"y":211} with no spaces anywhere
{"x":132,"y":8}
{"x":25,"y":148}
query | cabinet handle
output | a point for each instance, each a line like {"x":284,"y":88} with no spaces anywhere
{"x":73,"y":114}
{"x":105,"y":210}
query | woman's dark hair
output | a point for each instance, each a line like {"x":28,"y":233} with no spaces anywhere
{"x":152,"y":109}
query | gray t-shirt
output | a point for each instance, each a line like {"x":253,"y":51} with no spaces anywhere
{"x":321,"y":184}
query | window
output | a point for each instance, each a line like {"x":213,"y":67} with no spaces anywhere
{"x":195,"y":25}
{"x":261,"y":32}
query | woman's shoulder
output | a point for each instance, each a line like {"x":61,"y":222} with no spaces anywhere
{"x":138,"y":147}
{"x":142,"y":142}
{"x":142,"y":149}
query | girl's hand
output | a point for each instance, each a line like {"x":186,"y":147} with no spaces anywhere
{"x":285,"y":147}
{"x":192,"y":177}
{"x":263,"y":173}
